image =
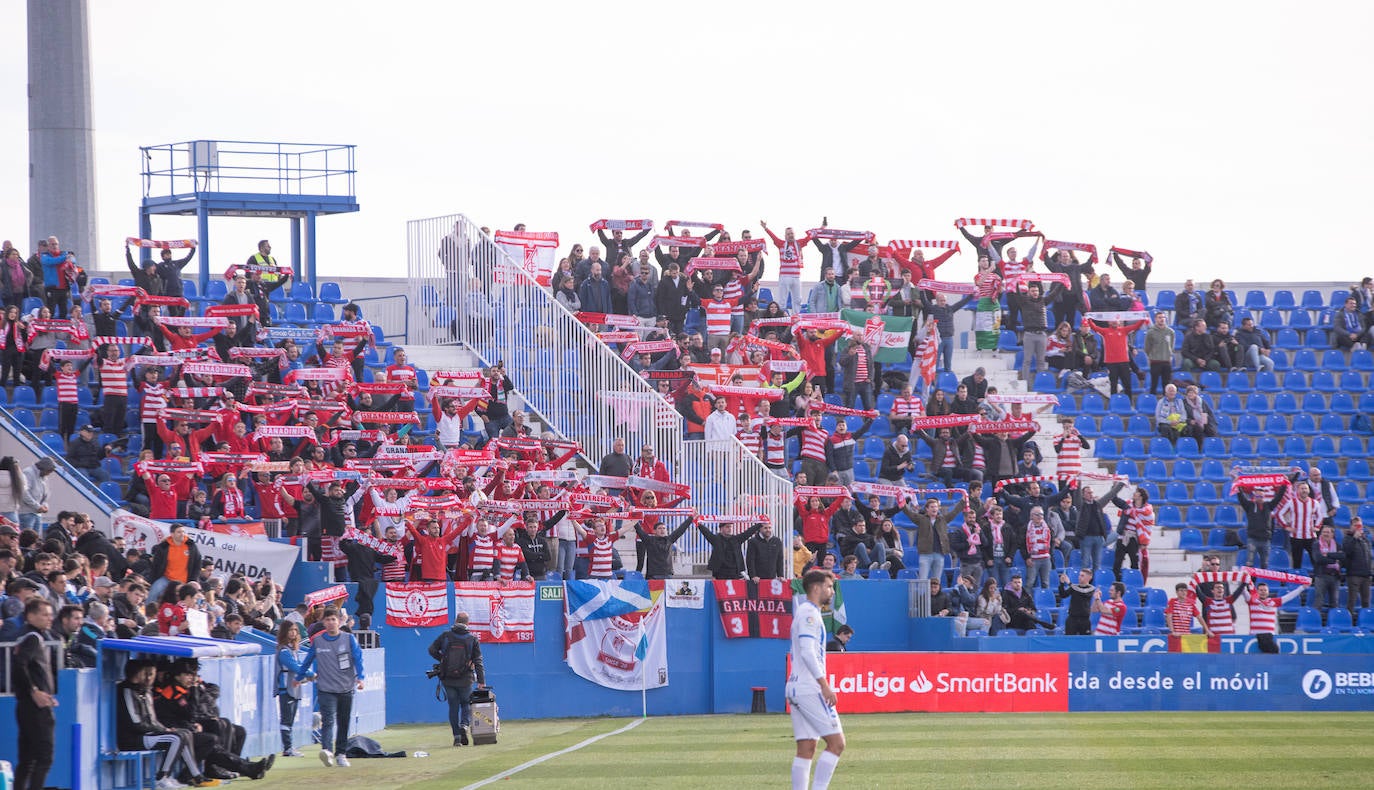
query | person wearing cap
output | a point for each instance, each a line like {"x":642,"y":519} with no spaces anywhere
{"x":9,"y":561}
{"x":85,"y":452}
{"x":34,"y":501}
{"x":146,"y":275}
{"x":104,"y":588}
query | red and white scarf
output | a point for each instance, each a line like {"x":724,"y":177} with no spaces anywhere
{"x":622,"y":224}
{"x":171,"y":244}
{"x":1020,"y":224}
{"x":1142,"y":255}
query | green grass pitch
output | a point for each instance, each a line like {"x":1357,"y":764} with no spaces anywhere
{"x":946,"y":751}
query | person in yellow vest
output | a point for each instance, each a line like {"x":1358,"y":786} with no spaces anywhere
{"x":263,"y":257}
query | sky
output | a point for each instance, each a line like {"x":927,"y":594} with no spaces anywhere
{"x":1228,"y":139}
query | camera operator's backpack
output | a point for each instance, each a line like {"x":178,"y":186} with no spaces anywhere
{"x":456,"y":663}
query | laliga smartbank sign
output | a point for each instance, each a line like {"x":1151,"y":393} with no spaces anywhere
{"x":950,"y":682}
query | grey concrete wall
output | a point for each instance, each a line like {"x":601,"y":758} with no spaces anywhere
{"x":61,"y":135}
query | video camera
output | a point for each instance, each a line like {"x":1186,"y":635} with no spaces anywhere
{"x":435,"y":671}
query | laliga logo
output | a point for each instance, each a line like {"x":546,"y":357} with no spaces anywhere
{"x":921,"y":684}
{"x":1316,"y":684}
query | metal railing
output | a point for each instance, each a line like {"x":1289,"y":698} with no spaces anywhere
{"x":391,"y":313}
{"x":467,"y":290}
{"x":80,"y":484}
{"x":196,"y":166}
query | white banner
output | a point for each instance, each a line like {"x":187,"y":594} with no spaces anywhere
{"x":255,"y":557}
{"x":497,"y":611}
{"x":686,"y":593}
{"x":616,"y":634}
{"x":534,"y":251}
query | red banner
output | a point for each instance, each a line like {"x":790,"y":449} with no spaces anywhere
{"x":755,"y":609}
{"x":950,"y":682}
{"x":237,"y":529}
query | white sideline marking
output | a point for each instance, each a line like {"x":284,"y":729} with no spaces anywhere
{"x":536,"y":761}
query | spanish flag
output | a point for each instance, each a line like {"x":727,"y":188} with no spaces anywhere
{"x":1195,"y":643}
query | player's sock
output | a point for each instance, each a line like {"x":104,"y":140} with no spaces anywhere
{"x":801,"y":773}
{"x":825,"y":768}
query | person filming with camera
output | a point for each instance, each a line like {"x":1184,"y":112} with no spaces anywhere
{"x":460,"y":661}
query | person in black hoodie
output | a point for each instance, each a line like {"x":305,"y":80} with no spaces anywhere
{"x":1359,"y":566}
{"x":726,"y":561}
{"x":658,"y":563}
{"x":137,"y":727}
{"x":90,"y":542}
{"x":533,"y":545}
{"x":1259,"y":522}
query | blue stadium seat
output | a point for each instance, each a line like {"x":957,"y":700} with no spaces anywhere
{"x":295,"y":314}
{"x":1305,"y":424}
{"x":1312,"y":299}
{"x":1127,"y":469}
{"x":1332,"y":423}
{"x":1295,"y":447}
{"x":1302,"y":320}
{"x":1190,"y":539}
{"x":1324,"y":381}
{"x":1210,"y":380}
{"x":330,"y":293}
{"x":1162,"y":448}
{"x":1249,"y":424}
{"x":1145,"y":404}
{"x":1309,"y":621}
{"x":1088,"y":426}
{"x":1287,"y":338}
{"x":1178,"y":492}
{"x":25,"y":416}
{"x":1134,"y":448}
{"x":1362,"y":359}
{"x":1156,"y":470}
{"x":1333,"y":361}
{"x":1214,"y":469}
{"x":1149,"y":487}
{"x":1275,"y":423}
{"x":873,"y":447}
{"x":1139,"y":425}
{"x":1241,"y":447}
{"x":1305,"y":359}
{"x":1113,"y":426}
{"x":1121,"y":404}
{"x":1228,"y":516}
{"x":1206,"y":494}
{"x":1257,"y":403}
{"x":1256,"y":300}
{"x":1351,"y":447}
{"x":1351,"y":381}
{"x":1106,"y":449}
{"x":302,"y":291}
{"x":1068,"y":405}
{"x":215,"y":291}
{"x":1212,"y":447}
{"x":323,"y":313}
{"x":1286,"y":402}
{"x":1164,"y":300}
{"x":1366,"y":401}
{"x":1169,"y":516}
{"x":1271,"y":320}
{"x":1046,"y":381}
{"x":1007,"y":342}
{"x":1268,"y":447}
{"x":1184,"y":470}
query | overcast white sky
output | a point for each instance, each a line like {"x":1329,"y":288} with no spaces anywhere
{"x":1229,"y":139}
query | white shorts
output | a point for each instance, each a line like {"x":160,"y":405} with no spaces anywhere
{"x":811,"y":717}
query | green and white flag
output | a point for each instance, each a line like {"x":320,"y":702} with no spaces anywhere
{"x":833,"y":615}
{"x":887,"y":335}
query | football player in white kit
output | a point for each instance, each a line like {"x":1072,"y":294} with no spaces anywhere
{"x":808,"y":687}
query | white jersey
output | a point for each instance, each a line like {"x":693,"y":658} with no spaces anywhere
{"x":808,"y":649}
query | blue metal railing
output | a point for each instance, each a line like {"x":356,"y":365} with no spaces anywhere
{"x":83,"y":485}
{"x":196,"y":166}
